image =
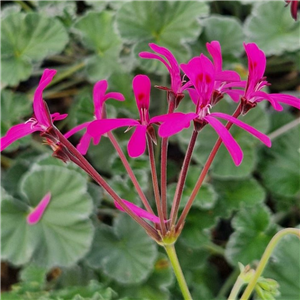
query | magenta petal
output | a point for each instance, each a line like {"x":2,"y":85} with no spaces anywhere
{"x":214,"y":50}
{"x":228,"y":76}
{"x":141,"y":87}
{"x":137,"y":143}
{"x":193,"y":95}
{"x":16,"y":132}
{"x":39,"y":109}
{"x":232,"y":146}
{"x":58,"y":117}
{"x":138,"y":211}
{"x":99,"y":90}
{"x":264,"y":138}
{"x":76,"y":129}
{"x":263,"y":95}
{"x":115,"y":95}
{"x":154,"y":56}
{"x":174,"y":123}
{"x":287,"y":99}
{"x":84,"y":144}
{"x":39,"y":210}
{"x":99,"y":127}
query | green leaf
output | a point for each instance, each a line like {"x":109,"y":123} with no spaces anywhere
{"x":14,"y":107}
{"x":28,"y":38}
{"x":34,"y":275}
{"x":156,"y":286}
{"x":280,"y":172}
{"x":206,"y":197}
{"x":56,"y":8}
{"x":64,"y":233}
{"x":195,"y":232}
{"x":228,"y":31}
{"x":276,"y":37}
{"x":167,"y":23}
{"x":124,"y":252}
{"x":98,"y":35}
{"x":284,"y":267}
{"x":235,"y":194}
{"x":253,"y":231}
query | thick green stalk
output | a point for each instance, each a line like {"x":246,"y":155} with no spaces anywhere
{"x":171,"y":252}
{"x":264,"y":260}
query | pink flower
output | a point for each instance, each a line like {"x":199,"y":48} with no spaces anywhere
{"x":168,"y":59}
{"x":137,"y":143}
{"x":35,"y":215}
{"x":256,"y":82}
{"x":41,"y":121}
{"x":138,"y":211}
{"x":224,"y":80}
{"x":99,"y":97}
{"x":294,"y":7}
{"x":201,"y":72}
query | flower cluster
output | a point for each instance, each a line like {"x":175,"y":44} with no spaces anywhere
{"x":202,"y":78}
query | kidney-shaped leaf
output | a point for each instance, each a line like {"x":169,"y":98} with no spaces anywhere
{"x":167,"y":23}
{"x":124,"y":252}
{"x":253,"y":231}
{"x":28,"y":38}
{"x":271,"y":26}
{"x":63,"y":234}
{"x":98,"y":34}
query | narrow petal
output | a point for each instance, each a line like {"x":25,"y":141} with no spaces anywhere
{"x":235,"y":95}
{"x":35,"y":216}
{"x":138,"y":211}
{"x":264,"y":138}
{"x":228,"y":76}
{"x":39,"y":109}
{"x":174,"y":123}
{"x":256,"y":62}
{"x":137,"y":143}
{"x":232,"y":146}
{"x":76,"y":129}
{"x":287,"y":99}
{"x":141,"y":87}
{"x":99,"y":90}
{"x":259,"y":95}
{"x":16,"y":132}
{"x":214,"y":50}
{"x":58,"y":117}
{"x":84,"y":143}
{"x":115,"y":95}
{"x":99,"y":127}
{"x":193,"y":95}
{"x":149,"y":55}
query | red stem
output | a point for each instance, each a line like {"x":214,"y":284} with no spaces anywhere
{"x":78,"y":159}
{"x":182,"y":178}
{"x":130,"y":172}
{"x":155,"y":185}
{"x":203,"y":174}
{"x":163,"y":168}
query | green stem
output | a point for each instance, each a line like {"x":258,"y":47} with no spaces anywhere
{"x":228,"y":283}
{"x":170,"y":249}
{"x":23,"y":5}
{"x":236,"y":288}
{"x":264,"y":260}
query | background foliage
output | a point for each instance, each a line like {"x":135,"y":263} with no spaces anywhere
{"x":84,"y":248}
